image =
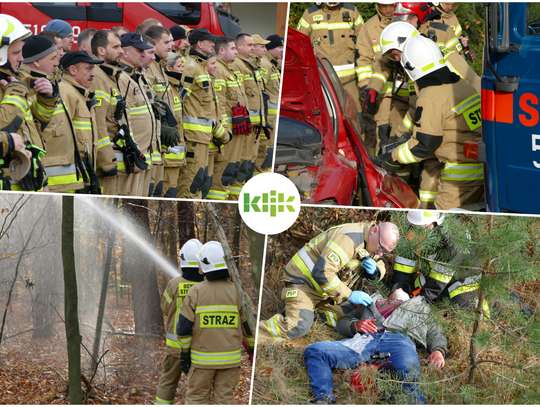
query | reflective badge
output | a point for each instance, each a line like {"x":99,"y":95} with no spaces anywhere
{"x":137,"y":91}
{"x":98,"y":102}
{"x":334,"y":257}
{"x":318,"y":18}
{"x":473,"y":117}
{"x":217,"y":88}
{"x":114,"y":92}
{"x":183,"y":288}
{"x":219,"y":320}
{"x":176,"y":99}
{"x":363,"y":252}
{"x":291,"y":294}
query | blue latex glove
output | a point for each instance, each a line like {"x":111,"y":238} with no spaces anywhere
{"x":360,"y":297}
{"x":370,"y":266}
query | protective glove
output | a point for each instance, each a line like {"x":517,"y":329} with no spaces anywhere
{"x":360,"y":297}
{"x":94,"y":187}
{"x":134,"y":154}
{"x":249,"y":128}
{"x":387,"y":162}
{"x":250,"y":354}
{"x":160,"y":108}
{"x":370,"y":101}
{"x":239,"y":125}
{"x":366,"y":326}
{"x":470,"y":55}
{"x":370,"y":266}
{"x":185,"y":362}
{"x":33,"y":180}
{"x":140,"y":161}
{"x":169,"y":135}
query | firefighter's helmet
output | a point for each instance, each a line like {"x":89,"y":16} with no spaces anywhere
{"x":211,"y":257}
{"x":11,"y":30}
{"x":379,"y":10}
{"x":395,"y":35}
{"x":402,"y":11}
{"x":424,"y":218}
{"x":421,"y":56}
{"x":188,"y":253}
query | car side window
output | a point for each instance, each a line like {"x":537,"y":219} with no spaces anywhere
{"x":180,"y":13}
{"x":338,"y":88}
{"x":533,"y":19}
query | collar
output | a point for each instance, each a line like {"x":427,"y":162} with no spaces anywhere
{"x":127,"y":67}
{"x":194,"y":53}
{"x":28,"y":76}
{"x":174,"y":78}
{"x":272,"y":60}
{"x":437,"y":78}
{"x":111,"y":70}
{"x":246,"y":60}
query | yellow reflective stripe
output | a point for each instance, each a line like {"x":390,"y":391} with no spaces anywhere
{"x":163,"y":402}
{"x":458,"y":30}
{"x":334,"y":246}
{"x":177,"y":107}
{"x":63,"y":179}
{"x":404,"y":154}
{"x":307,"y":272}
{"x":17,"y":101}
{"x":215,"y":194}
{"x":466,"y":104}
{"x":331,"y":318}
{"x":273,"y":328}
{"x":105,"y":141}
{"x":403,"y":268}
{"x":440,"y":277}
{"x":331,"y":26}
{"x":80,"y":125}
{"x":250,"y":340}
{"x":359,"y":20}
{"x":208,"y":308}
{"x":167,"y":297}
{"x":463,"y":172}
{"x":376,"y":48}
{"x":102,"y":95}
{"x":352,"y":263}
{"x":427,"y":196}
{"x":174,"y":344}
{"x":454,"y":41}
{"x":407,"y":122}
{"x":159,"y":87}
{"x":172,"y":156}
{"x":216,"y":358}
{"x":302,"y":23}
{"x":59,"y":109}
{"x":185,"y":343}
{"x":379,"y":76}
{"x":202,"y":78}
{"x":347,"y":72}
{"x":314,"y":243}
{"x":139,"y":110}
{"x":331,"y":285}
{"x":197,"y":127}
{"x":43,"y":110}
{"x":464,"y":289}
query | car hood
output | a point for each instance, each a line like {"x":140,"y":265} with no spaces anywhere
{"x":302,"y":97}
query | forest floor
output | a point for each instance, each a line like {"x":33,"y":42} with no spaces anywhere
{"x":35,"y":371}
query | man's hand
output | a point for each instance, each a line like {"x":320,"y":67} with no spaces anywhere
{"x":10,"y":78}
{"x":366,"y":326}
{"x":436,"y":359}
{"x":19,"y":143}
{"x":464,"y":41}
{"x":370,"y":101}
{"x":360,"y":297}
{"x":44,"y":86}
{"x":370,"y":266}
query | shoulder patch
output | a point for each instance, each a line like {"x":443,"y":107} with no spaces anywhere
{"x":317,"y":17}
{"x":418,"y":115}
{"x":291,"y":294}
{"x":348,"y":6}
{"x":356,"y":237}
{"x":363,"y":252}
{"x":334,"y":257}
{"x":188,"y":79}
{"x":439,"y":26}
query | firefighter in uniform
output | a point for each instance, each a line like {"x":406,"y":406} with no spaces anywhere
{"x":312,"y":284}
{"x":210,"y":330}
{"x":334,"y":29}
{"x":393,"y":38}
{"x":60,"y":163}
{"x":369,"y":50}
{"x":171,"y":302}
{"x":171,"y":133}
{"x":145,"y":128}
{"x":220,"y":135}
{"x":232,"y":102}
{"x":199,"y":115}
{"x":271,"y":77}
{"x":253,"y":86}
{"x":111,"y":84}
{"x":79,"y":103}
{"x":441,"y":282}
{"x":181,"y":42}
{"x":16,"y":114}
{"x":447,"y":115}
{"x":394,"y":82}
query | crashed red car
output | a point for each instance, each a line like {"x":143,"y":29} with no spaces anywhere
{"x":319,"y":145}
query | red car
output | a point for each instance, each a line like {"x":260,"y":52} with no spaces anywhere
{"x":319,"y":145}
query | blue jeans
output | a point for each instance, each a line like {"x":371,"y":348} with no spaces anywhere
{"x":322,"y":357}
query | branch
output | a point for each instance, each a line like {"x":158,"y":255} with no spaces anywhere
{"x":153,"y":213}
{"x":59,"y":374}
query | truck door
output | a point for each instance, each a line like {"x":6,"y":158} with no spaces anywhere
{"x":510,"y":108}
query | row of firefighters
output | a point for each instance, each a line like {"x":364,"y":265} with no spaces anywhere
{"x":158,"y":112}
{"x":408,"y":67}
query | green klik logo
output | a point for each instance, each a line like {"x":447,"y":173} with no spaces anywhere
{"x":272,"y":202}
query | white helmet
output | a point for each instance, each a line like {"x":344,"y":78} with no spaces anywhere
{"x":188,"y":253}
{"x":11,"y":30}
{"x":395,"y":35}
{"x":424,"y":218}
{"x":211,"y":257}
{"x":379,"y":10}
{"x":421,"y":56}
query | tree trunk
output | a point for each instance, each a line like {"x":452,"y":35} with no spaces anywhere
{"x":71,"y":312}
{"x":104,"y":285}
{"x":173,"y":250}
{"x":146,"y":300}
{"x":256,"y":254}
{"x":237,"y":232}
{"x":186,"y":222}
